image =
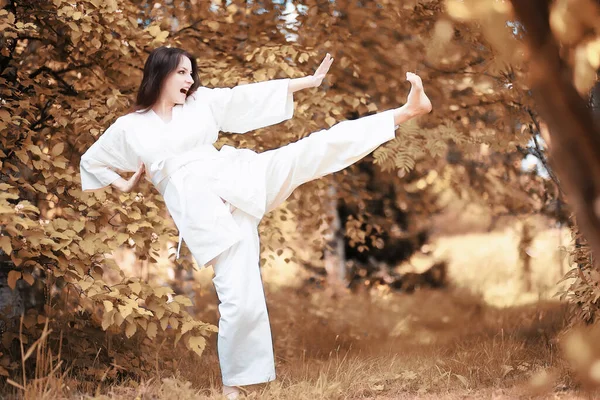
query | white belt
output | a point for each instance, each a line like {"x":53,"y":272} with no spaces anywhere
{"x":166,"y":168}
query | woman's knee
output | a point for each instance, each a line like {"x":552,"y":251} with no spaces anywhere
{"x":243,"y":312}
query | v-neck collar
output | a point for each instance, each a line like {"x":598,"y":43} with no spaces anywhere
{"x":173,"y":112}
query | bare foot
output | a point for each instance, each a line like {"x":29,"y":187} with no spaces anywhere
{"x":417,"y":102}
{"x":231,"y":392}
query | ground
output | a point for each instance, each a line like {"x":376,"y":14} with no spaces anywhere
{"x":484,"y":336}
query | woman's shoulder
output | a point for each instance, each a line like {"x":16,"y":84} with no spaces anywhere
{"x":204,"y":95}
{"x":123,"y":124}
{"x":131,"y":119}
{"x":196,"y":97}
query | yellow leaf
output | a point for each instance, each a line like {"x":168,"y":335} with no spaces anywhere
{"x":183,"y":300}
{"x":131,"y":328}
{"x":161,"y":37}
{"x":58,"y":149}
{"x":143,"y":323}
{"x":174,"y":322}
{"x":458,"y":10}
{"x":125,"y":310}
{"x":593,"y":53}
{"x":213,"y":25}
{"x":303,"y":58}
{"x":162,"y":291}
{"x":154,"y":30}
{"x":178,"y":336}
{"x":118,"y":319}
{"x":132,"y":228}
{"x":197,"y":344}
{"x":158,"y":310}
{"x":188,"y":325}
{"x":85,"y":285}
{"x":5,"y":244}
{"x":27,"y":277}
{"x":121,"y":238}
{"x":77,"y":15}
{"x":135,"y":287}
{"x":40,"y":187}
{"x":108,"y":305}
{"x":151,"y":330}
{"x":108,"y":318}
{"x":175,"y":307}
{"x":22,"y":155}
{"x":164,"y":323}
{"x":35,"y":150}
{"x":59,"y":164}
{"x":13,"y":277}
{"x":78,"y":226}
{"x":88,"y":247}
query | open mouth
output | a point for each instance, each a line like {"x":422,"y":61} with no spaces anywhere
{"x":183,"y":90}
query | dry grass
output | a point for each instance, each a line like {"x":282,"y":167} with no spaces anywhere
{"x":444,"y":344}
{"x":431,"y":344}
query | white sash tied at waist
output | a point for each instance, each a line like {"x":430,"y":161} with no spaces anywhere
{"x":229,"y":173}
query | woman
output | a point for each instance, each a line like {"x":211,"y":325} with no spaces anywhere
{"x":217,"y":198}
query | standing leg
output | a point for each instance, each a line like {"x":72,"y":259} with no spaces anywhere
{"x":331,"y":150}
{"x":244,"y":341}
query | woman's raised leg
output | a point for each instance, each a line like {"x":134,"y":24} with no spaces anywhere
{"x":331,"y":150}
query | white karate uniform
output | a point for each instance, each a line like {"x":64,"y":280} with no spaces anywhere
{"x":202,"y":185}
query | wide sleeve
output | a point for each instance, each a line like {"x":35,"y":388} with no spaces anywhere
{"x":250,"y":106}
{"x":109,"y":154}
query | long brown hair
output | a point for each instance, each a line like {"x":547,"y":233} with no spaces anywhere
{"x":161,"y":62}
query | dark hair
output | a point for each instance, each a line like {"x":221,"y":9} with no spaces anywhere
{"x":161,"y":62}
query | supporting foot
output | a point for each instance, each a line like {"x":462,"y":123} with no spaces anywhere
{"x":417,"y":103}
{"x":231,"y":392}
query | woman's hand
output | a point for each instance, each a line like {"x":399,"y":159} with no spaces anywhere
{"x":320,"y":73}
{"x":128,"y":185}
{"x":314,"y":80}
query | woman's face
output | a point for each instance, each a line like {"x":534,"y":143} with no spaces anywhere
{"x":176,"y":85}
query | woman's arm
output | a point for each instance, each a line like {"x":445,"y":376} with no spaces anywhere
{"x":128,"y":185}
{"x":109,"y":154}
{"x":312,"y":81}
{"x":244,"y":108}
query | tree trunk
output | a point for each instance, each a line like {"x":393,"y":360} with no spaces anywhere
{"x":575,"y":140}
{"x":11,"y":301}
{"x":595,"y":102}
{"x":335,"y":259}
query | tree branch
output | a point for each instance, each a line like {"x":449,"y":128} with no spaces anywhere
{"x":5,"y":60}
{"x":70,"y":90}
{"x":44,"y":116}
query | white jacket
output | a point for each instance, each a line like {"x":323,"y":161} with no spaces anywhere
{"x":183,"y":164}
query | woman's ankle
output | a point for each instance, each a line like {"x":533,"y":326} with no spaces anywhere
{"x":403,"y":114}
{"x":231,"y":392}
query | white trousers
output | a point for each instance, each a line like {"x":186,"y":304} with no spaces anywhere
{"x":244,"y":340}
